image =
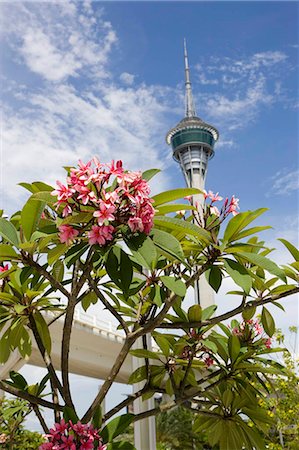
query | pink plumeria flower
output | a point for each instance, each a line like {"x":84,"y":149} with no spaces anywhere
{"x":233,"y":206}
{"x":214,"y":197}
{"x":105,"y":213}
{"x":258,"y":328}
{"x":116,"y":168}
{"x":208,"y":361}
{"x":4,"y":268}
{"x":68,"y":443}
{"x":205,"y":194}
{"x":268,"y":343}
{"x":86,"y":195}
{"x":214,"y":210}
{"x":100,"y":235}
{"x":67,"y":210}
{"x":67,"y":234}
{"x":87,"y":445}
{"x":135,"y":224}
{"x":189,"y":198}
{"x":63,"y":192}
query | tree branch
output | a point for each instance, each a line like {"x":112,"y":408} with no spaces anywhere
{"x":107,"y":305}
{"x":65,"y":350}
{"x":54,"y":283}
{"x":45,"y":355}
{"x":110,"y":379}
{"x":155,"y":323}
{"x":40,"y":418}
{"x":28,"y":397}
{"x":124,"y":403}
{"x":229,"y":314}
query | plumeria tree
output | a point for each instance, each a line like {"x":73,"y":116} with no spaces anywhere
{"x":100,"y":238}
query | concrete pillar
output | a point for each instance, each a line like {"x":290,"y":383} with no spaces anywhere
{"x":144,"y":430}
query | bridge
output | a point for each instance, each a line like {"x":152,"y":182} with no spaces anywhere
{"x":95,"y":343}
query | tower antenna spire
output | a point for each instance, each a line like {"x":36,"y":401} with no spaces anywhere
{"x":189,"y":103}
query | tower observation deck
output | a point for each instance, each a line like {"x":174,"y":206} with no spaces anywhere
{"x":192,"y":139}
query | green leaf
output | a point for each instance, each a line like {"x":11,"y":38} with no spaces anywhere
{"x":7,"y":253}
{"x":119,"y":268}
{"x":56,"y":252}
{"x":115,"y":427}
{"x":24,"y":345}
{"x":43,"y":330}
{"x":239,"y":222}
{"x":138,"y":375}
{"x":149,"y":174}
{"x":88,"y":299}
{"x":97,"y":417}
{"x":234,"y":347}
{"x":174,"y":285}
{"x":143,"y":250}
{"x":69,"y":414}
{"x":163,"y":343}
{"x":214,"y":277}
{"x":248,"y":313}
{"x":143,"y":353}
{"x":208,"y":312}
{"x":44,"y":196}
{"x":250,"y":231}
{"x":58,"y":270}
{"x":18,"y":380}
{"x":158,"y":298}
{"x":292,"y":249}
{"x":239,"y":274}
{"x":268,"y":322}
{"x":168,"y":244}
{"x":194,"y":313}
{"x":81,"y":217}
{"x":168,"y":387}
{"x":175,"y":194}
{"x":4,"y":348}
{"x":183,"y":226}
{"x":8,"y":232}
{"x":264,"y":263}
{"x":30,"y":216}
{"x":174,"y":208}
{"x":41,"y":186}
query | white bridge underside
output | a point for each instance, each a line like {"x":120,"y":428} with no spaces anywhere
{"x":94,"y":346}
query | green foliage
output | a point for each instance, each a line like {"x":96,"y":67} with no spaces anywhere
{"x":13,"y":435}
{"x":174,"y":431}
{"x":223,"y":372}
{"x":282,"y":402}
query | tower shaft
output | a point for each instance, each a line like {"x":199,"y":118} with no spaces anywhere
{"x":192,"y":142}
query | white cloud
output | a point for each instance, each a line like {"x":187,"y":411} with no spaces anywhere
{"x":78,"y":112}
{"x":127,"y":78}
{"x":56,"y":40}
{"x":285,"y":182}
{"x":230,"y":110}
{"x":242,"y":86}
{"x":46,"y":60}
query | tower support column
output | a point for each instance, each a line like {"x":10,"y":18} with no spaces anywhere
{"x":145,"y":429}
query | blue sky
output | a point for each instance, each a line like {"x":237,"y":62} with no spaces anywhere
{"x":83,"y":78}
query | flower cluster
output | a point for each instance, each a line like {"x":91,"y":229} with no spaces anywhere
{"x":111,"y":195}
{"x":250,"y":330}
{"x":197,"y":349}
{"x":228,"y":207}
{"x":66,"y":435}
{"x":209,"y":215}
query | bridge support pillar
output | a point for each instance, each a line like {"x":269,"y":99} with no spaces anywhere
{"x":144,"y":430}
